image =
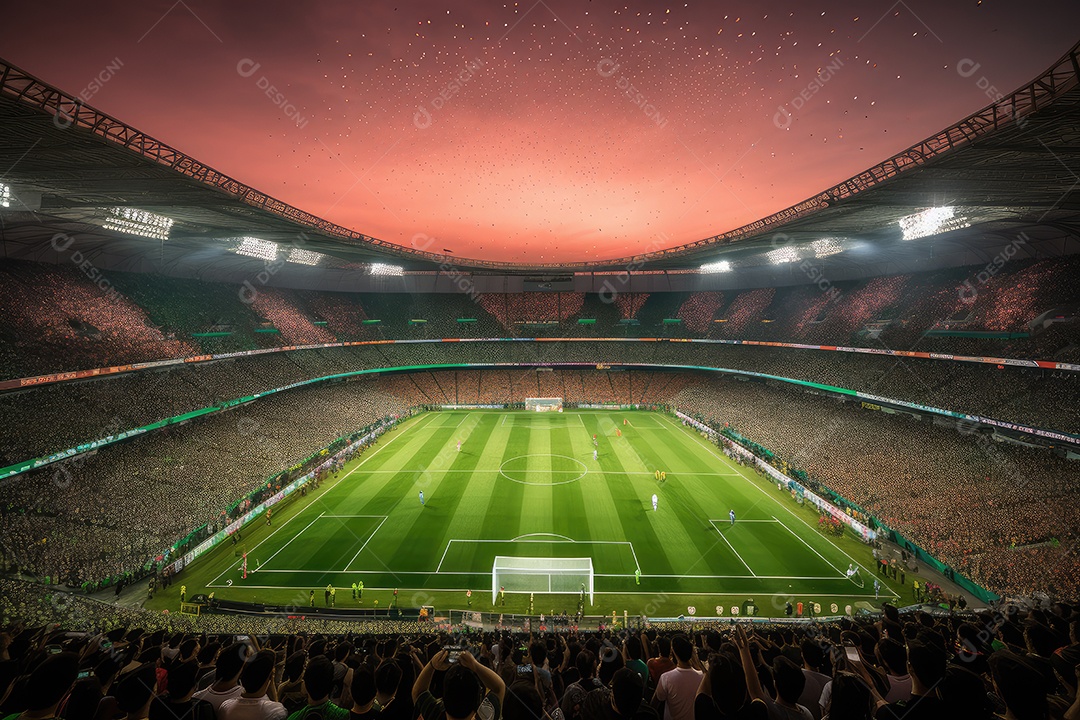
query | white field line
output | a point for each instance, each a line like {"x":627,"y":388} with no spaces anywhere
{"x":290,"y":540}
{"x":734,"y":551}
{"x":238,"y":564}
{"x":346,"y":568}
{"x":785,"y":507}
{"x":362,"y":516}
{"x":842,"y":573}
{"x":438,"y":568}
{"x":372,"y":454}
{"x":728,"y":521}
{"x":463,"y":590}
{"x":478,"y":471}
{"x":830,"y":578}
{"x":728,"y":577}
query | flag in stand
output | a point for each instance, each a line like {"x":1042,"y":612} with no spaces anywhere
{"x":244,"y":567}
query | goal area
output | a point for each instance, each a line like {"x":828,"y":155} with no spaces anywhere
{"x":542,"y":575}
{"x":544,"y":404}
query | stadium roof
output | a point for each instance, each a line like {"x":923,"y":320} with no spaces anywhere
{"x":1013,"y":167}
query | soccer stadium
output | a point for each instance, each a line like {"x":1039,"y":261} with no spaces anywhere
{"x":579,"y":361}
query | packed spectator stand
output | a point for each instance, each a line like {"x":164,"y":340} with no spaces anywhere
{"x":80,"y":660}
{"x":108,"y":515}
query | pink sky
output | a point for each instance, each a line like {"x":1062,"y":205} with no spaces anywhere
{"x":537,"y":154}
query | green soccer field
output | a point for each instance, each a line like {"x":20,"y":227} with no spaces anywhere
{"x":525,"y":484}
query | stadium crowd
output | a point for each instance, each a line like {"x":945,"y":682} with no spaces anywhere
{"x":108,"y":514}
{"x":65,"y":657}
{"x":866,"y":457}
{"x":45,"y":424}
{"x":915,"y":476}
{"x":62,"y":321}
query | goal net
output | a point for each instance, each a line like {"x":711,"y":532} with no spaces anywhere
{"x":542,"y":575}
{"x":544,"y":404}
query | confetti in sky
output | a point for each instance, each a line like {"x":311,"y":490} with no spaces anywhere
{"x":543,"y":131}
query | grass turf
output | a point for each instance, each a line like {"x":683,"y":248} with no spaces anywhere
{"x":526,"y":484}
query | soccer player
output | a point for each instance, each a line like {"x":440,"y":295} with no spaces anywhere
{"x":502,"y":595}
{"x":459,"y":446}
{"x":657,"y":475}
{"x":468,"y":597}
{"x":663,"y":477}
{"x":637,"y":576}
{"x":654,"y":500}
{"x":594,"y":454}
{"x":360,"y":591}
{"x":421,"y":497}
{"x":731,"y":515}
{"x":877,"y":588}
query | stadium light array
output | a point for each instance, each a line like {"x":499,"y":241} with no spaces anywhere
{"x":932,"y":221}
{"x":304,"y":257}
{"x":781,"y":255}
{"x":384,"y":269}
{"x":827,"y":246}
{"x":143,"y":223}
{"x":720,"y":266}
{"x":256,"y":248}
{"x":5,"y":195}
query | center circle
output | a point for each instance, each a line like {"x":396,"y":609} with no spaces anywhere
{"x":543,"y":469}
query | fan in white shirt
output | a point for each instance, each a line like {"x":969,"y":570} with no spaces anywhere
{"x":259,"y":698}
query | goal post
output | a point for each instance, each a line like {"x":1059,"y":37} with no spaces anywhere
{"x":550,"y":404}
{"x":541,"y":575}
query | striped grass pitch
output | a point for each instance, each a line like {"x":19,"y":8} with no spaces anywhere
{"x":526,"y":484}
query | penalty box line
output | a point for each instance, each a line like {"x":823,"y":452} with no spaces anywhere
{"x":728,"y":542}
{"x":597,"y":593}
{"x":439,"y":570}
{"x":321,"y":516}
{"x":372,"y":454}
{"x":776,"y":502}
{"x":776,"y":521}
{"x":326,"y":516}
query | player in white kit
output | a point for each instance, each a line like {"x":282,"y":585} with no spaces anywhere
{"x":654,"y":502}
